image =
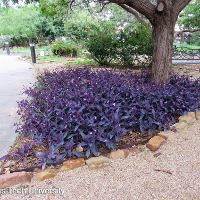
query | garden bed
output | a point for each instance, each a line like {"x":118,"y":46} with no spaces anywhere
{"x":83,"y":112}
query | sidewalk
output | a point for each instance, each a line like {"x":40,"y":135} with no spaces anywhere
{"x":14,"y":75}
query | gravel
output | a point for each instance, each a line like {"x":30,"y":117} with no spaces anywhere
{"x":136,"y":177}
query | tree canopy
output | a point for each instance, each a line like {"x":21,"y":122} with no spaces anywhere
{"x":190,"y":17}
{"x":25,"y":23}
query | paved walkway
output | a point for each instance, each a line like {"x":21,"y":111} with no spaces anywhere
{"x":14,"y":75}
{"x":185,"y":62}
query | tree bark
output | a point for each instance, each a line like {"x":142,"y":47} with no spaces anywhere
{"x":162,"y":16}
{"x":163,"y":37}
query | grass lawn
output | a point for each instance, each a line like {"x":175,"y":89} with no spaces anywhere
{"x":50,"y":58}
{"x":189,"y":46}
{"x":81,"y":61}
{"x":27,"y":49}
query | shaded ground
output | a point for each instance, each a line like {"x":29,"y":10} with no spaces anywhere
{"x":190,"y":70}
{"x":14,"y":74}
{"x":184,"y":69}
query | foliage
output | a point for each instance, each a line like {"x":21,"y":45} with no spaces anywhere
{"x":135,"y":46}
{"x":190,"y":17}
{"x":95,"y":108}
{"x":125,"y":42}
{"x":128,"y":47}
{"x":195,"y":39}
{"x":79,"y":24}
{"x":63,"y":48}
{"x":101,"y":46}
{"x":55,"y":10}
{"x":24,"y":24}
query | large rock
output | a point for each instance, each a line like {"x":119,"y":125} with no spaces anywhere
{"x":1,"y":166}
{"x":46,"y":174}
{"x":97,"y":162}
{"x":79,"y":149}
{"x":180,"y":126}
{"x":198,"y":115}
{"x":189,"y":118}
{"x":72,"y":164}
{"x":155,"y":142}
{"x":10,"y":179}
{"x":121,"y":153}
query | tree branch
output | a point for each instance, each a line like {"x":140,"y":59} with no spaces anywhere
{"x":135,"y":13}
{"x":179,"y":5}
{"x":145,"y":7}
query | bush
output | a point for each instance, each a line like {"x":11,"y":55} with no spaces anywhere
{"x":135,"y":46}
{"x":195,"y":39}
{"x":24,"y":24}
{"x":93,"y":109}
{"x":62,"y":48}
{"x":119,"y":40}
{"x":102,"y":47}
{"x":131,"y":46}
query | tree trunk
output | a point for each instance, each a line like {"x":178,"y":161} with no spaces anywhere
{"x":163,"y":36}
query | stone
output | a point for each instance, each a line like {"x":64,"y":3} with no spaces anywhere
{"x":155,"y":142}
{"x":10,"y":179}
{"x":79,"y":149}
{"x":197,"y":115}
{"x":121,"y":153}
{"x":180,"y":126}
{"x":189,"y":118}
{"x":97,"y":162}
{"x":163,"y":135}
{"x":1,"y":167}
{"x":192,"y":114}
{"x":46,"y":174}
{"x":72,"y":164}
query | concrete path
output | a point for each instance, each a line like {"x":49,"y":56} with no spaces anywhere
{"x":15,"y":74}
{"x":185,"y":62}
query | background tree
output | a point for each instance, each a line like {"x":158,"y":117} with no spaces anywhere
{"x":162,"y":14}
{"x":127,"y":42}
{"x":25,"y":24}
{"x":190,"y":17}
{"x":189,"y":22}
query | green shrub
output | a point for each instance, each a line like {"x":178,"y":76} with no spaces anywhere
{"x":131,"y":46}
{"x":102,"y":44}
{"x":108,"y":41}
{"x":25,"y":24}
{"x":135,"y":46}
{"x":63,"y":48}
{"x":195,"y":39}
